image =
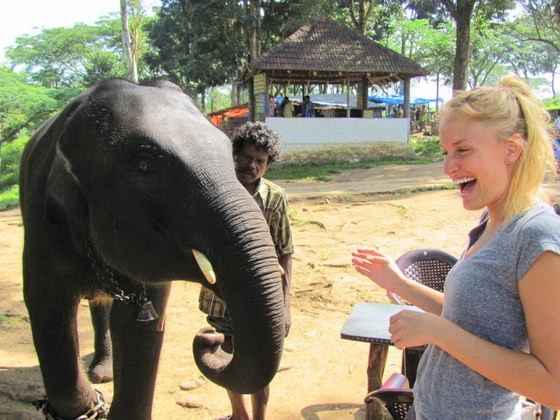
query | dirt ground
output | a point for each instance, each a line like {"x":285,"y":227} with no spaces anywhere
{"x":322,"y":376}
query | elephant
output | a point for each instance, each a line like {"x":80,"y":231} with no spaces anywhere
{"x":127,"y":189}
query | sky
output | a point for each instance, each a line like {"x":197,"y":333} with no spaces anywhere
{"x":19,"y":17}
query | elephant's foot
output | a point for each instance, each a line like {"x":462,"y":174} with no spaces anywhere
{"x":98,"y":409}
{"x":101,"y":370}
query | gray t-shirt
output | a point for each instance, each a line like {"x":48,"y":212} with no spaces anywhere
{"x":482,"y":296}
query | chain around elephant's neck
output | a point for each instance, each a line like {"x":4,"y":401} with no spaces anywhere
{"x":107,"y":279}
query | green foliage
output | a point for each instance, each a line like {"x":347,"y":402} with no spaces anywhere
{"x":431,"y":46}
{"x":552,"y":103}
{"x":9,"y":198}
{"x":77,"y":57}
{"x":198,"y":44}
{"x":207,"y":44}
{"x":10,"y":156}
{"x":427,"y":148}
{"x":24,"y":106}
{"x":58,"y":57}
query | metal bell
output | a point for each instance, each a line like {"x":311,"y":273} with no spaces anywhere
{"x":146,"y":312}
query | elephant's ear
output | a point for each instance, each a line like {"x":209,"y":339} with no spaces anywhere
{"x":65,"y":203}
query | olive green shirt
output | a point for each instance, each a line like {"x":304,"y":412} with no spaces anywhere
{"x":273,"y":202}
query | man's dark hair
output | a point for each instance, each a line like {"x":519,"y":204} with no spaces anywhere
{"x":262,"y":136}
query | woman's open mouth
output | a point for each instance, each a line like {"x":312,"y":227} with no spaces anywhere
{"x":465,"y":184}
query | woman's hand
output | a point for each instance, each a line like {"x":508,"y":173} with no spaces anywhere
{"x":378,"y":267}
{"x":413,"y":328}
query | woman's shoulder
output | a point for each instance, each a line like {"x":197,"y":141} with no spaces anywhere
{"x":539,"y":222}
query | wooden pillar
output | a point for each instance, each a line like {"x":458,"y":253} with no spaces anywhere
{"x":406,"y":98}
{"x":252,"y":107}
{"x":365,"y":93}
{"x":347,"y":95}
{"x":376,"y":367}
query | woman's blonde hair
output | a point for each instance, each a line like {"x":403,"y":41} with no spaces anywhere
{"x":511,"y":108}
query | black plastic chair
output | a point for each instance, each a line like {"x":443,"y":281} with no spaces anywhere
{"x":429,"y":267}
{"x":398,"y":397}
{"x":426,"y":266}
{"x":395,"y":394}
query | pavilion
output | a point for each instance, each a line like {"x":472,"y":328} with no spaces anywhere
{"x":327,"y":52}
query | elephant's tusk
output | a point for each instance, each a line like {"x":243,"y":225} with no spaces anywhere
{"x":205,"y":266}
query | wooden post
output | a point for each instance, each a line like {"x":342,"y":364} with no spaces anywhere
{"x":376,"y":367}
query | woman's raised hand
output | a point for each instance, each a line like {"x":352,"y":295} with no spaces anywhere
{"x":378,"y":267}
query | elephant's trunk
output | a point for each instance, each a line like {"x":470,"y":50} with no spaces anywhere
{"x":248,"y":278}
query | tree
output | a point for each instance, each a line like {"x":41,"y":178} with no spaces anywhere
{"x":360,"y":17}
{"x":133,"y":19}
{"x":24,"y":106}
{"x":541,"y":34}
{"x":539,"y":24}
{"x":490,"y":43}
{"x":463,"y":13}
{"x":207,"y":44}
{"x":63,"y":57}
{"x":127,"y":47}
{"x":193,"y":52}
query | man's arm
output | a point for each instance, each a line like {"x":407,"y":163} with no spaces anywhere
{"x":286,"y":264}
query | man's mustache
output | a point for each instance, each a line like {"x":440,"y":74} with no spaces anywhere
{"x":249,"y":172}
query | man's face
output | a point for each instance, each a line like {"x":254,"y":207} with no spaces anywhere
{"x":250,"y":165}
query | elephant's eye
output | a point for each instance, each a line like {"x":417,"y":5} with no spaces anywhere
{"x":145,"y":165}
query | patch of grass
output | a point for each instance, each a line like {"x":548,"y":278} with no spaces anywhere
{"x":9,"y":198}
{"x":402,"y":191}
{"x":12,"y":321}
{"x":403,"y":210}
{"x":427,"y":147}
{"x":322,"y":172}
{"x":299,"y":222}
{"x":295,"y":220}
{"x":346,"y":198}
{"x":321,"y":163}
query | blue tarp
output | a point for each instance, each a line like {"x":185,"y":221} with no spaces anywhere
{"x":399,"y":100}
{"x":341,"y":100}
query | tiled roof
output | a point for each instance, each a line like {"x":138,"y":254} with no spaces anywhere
{"x":325,"y":50}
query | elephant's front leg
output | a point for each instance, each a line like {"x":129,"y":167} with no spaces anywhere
{"x":52,"y":311}
{"x":136,"y":351}
{"x":101,"y":367}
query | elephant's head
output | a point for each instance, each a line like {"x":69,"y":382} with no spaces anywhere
{"x":143,"y":176}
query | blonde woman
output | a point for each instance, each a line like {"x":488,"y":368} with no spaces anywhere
{"x":494,"y":333}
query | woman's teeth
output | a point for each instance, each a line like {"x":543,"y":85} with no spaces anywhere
{"x":462,"y":182}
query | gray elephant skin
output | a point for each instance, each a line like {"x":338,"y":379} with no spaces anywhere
{"x":123,"y":185}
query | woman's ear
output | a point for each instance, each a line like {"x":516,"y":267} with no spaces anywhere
{"x":514,"y":147}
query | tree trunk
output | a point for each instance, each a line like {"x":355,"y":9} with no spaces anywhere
{"x":461,"y":12}
{"x":254,"y":41}
{"x":462,"y":53}
{"x":364,"y":11}
{"x":130,"y":61}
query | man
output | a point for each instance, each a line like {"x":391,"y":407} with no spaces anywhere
{"x":287,"y":108}
{"x":308,"y":107}
{"x":255,"y":148}
{"x":272,"y":105}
